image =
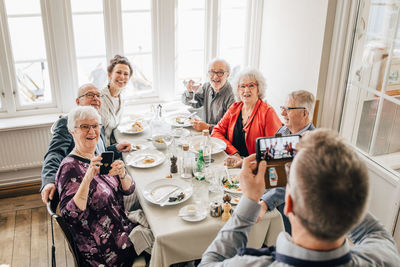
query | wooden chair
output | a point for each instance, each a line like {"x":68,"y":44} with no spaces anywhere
{"x":315,"y":114}
{"x":51,"y":209}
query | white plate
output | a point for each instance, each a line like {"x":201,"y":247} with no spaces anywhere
{"x":185,"y":122}
{"x":232,"y":173}
{"x":217,"y":145}
{"x":158,"y":188}
{"x":199,"y":216}
{"x":126,"y":128}
{"x":140,"y":146}
{"x":180,"y":132}
{"x":136,"y":159}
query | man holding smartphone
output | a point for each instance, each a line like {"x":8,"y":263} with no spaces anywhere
{"x":324,"y":166}
{"x":62,"y":142}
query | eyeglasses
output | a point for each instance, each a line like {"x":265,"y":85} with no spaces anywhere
{"x":218,"y":73}
{"x":86,"y":127}
{"x":248,"y":85}
{"x":288,"y":109}
{"x":91,"y":95}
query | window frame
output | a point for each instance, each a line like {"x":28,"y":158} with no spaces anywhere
{"x":62,"y":61}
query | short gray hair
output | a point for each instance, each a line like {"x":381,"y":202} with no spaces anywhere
{"x":81,"y":113}
{"x":303,"y":98}
{"x":329,"y":185}
{"x":228,"y":67}
{"x":83,"y":87}
{"x":251,"y":74}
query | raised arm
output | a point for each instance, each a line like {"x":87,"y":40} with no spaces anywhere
{"x":188,"y":95}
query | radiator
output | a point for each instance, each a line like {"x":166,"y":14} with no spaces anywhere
{"x":24,"y":148}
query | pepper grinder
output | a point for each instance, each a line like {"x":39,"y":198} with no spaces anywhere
{"x":174,"y":167}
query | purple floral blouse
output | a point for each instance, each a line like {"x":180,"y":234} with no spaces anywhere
{"x":102,"y":230}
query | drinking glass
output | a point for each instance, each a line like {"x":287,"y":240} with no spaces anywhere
{"x":215,"y":189}
{"x":168,"y":138}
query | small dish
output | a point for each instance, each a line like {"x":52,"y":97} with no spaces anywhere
{"x":158,"y":143}
{"x":198,"y":215}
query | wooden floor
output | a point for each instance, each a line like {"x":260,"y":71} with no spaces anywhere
{"x":25,"y":234}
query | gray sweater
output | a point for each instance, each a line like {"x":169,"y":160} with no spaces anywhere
{"x":373,"y":245}
{"x":214,"y":104}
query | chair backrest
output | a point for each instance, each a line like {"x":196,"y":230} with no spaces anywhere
{"x":315,"y":114}
{"x":52,"y":210}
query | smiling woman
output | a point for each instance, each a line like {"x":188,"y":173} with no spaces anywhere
{"x":249,"y":118}
{"x":119,"y":73}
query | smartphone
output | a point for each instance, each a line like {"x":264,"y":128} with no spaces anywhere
{"x":107,"y":159}
{"x":277,"y":151}
{"x":276,"y":148}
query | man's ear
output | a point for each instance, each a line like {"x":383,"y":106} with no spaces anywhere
{"x":288,"y":204}
{"x":77,"y":101}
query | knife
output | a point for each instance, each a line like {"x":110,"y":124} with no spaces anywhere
{"x":166,"y":195}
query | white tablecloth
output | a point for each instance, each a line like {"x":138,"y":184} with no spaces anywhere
{"x":177,"y":240}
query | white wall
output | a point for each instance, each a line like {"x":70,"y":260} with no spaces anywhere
{"x":291,"y":46}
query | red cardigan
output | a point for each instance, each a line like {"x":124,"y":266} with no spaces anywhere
{"x":262,"y":122}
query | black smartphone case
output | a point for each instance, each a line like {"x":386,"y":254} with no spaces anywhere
{"x":108,"y":158}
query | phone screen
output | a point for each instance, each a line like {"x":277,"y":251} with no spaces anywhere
{"x":275,"y":148}
{"x":107,"y":159}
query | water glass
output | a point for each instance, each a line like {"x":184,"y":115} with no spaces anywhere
{"x":215,"y":188}
{"x":200,"y":194}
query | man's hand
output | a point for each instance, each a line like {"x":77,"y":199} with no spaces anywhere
{"x":48,"y":192}
{"x":123,"y":147}
{"x":253,"y":185}
{"x":199,"y":125}
{"x":192,"y":87}
{"x":263,"y":210}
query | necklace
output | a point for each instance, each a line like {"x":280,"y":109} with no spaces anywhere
{"x":81,"y":154}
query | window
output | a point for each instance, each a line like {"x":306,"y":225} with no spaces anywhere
{"x":138,"y":44}
{"x":190,"y":33}
{"x":231,"y":43}
{"x":28,"y":47}
{"x":371,"y":112}
{"x":52,"y":47}
{"x":90,"y":46}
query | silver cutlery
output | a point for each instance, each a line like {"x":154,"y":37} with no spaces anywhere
{"x":166,"y":195}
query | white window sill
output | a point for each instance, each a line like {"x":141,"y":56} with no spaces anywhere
{"x":27,"y":122}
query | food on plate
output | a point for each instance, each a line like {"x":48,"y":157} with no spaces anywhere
{"x":159,"y":140}
{"x":232,"y":182}
{"x":178,"y":197}
{"x":138,"y":147}
{"x":180,"y":120}
{"x":148,"y":160}
{"x":137,"y":127}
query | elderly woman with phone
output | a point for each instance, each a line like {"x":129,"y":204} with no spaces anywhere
{"x":92,"y":203}
{"x":247,"y":119}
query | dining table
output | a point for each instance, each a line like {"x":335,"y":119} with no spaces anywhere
{"x":177,"y":240}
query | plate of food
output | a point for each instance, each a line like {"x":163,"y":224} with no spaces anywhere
{"x":181,"y":120}
{"x":180,"y":132}
{"x":167,"y":192}
{"x":139,"y":146}
{"x":145,"y":158}
{"x":231,"y":182}
{"x":134,"y":127}
{"x":217,"y":145}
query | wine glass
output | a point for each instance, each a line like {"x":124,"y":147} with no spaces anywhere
{"x":194,"y":84}
{"x":167,"y":138}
